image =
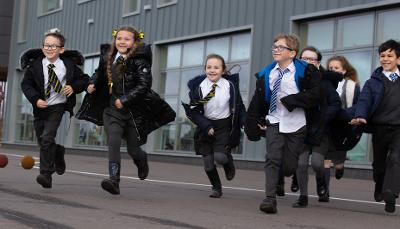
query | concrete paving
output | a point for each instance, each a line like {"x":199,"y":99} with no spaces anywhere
{"x":173,"y":196}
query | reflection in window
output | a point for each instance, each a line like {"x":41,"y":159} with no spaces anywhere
{"x":355,"y":31}
{"x":388,"y":24}
{"x":241,"y":47}
{"x":320,"y":34}
{"x":193,"y":53}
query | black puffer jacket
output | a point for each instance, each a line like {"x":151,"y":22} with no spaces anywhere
{"x":33,"y":83}
{"x":148,"y":109}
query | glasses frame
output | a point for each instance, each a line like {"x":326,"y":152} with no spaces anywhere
{"x":280,"y":48}
{"x":51,"y":47}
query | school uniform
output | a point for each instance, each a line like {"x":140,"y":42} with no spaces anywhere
{"x":379,"y":105}
{"x":38,"y":84}
{"x":225,"y":113}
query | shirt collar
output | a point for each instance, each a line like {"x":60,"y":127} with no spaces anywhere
{"x":46,"y":62}
{"x":387,"y":74}
{"x":116,"y":56}
{"x":290,"y":67}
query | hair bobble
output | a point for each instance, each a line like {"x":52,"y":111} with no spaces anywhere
{"x":141,"y":35}
{"x":114,"y":33}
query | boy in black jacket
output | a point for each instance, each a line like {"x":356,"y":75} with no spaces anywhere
{"x":51,"y":80}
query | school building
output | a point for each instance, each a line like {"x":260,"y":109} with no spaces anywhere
{"x":182,"y":33}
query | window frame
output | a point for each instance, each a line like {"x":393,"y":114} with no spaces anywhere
{"x":162,"y":5}
{"x":40,"y":12}
{"x":133,"y":13}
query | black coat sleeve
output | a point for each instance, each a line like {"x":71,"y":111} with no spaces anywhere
{"x":80,"y":80}
{"x":30,"y":88}
{"x":309,"y":94}
{"x":141,"y":68}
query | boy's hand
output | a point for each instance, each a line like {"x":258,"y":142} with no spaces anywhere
{"x":68,"y":90}
{"x":211,"y":132}
{"x":358,"y":121}
{"x":90,"y":89}
{"x":262,"y":127}
{"x":118,"y":104}
{"x":41,"y":103}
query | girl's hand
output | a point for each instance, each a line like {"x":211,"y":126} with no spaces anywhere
{"x":211,"y":132}
{"x":90,"y":89}
{"x":68,"y":90}
{"x":118,"y":104}
{"x":41,"y":103}
{"x":358,"y":121}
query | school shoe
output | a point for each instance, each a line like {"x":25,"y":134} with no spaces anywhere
{"x":269,"y":205}
{"x":143,"y":168}
{"x":390,"y":201}
{"x":324,"y":197}
{"x":302,"y":202}
{"x":294,"y":187}
{"x":321,"y":186}
{"x":216,"y":190}
{"x":59,"y":160}
{"x":339,"y":173}
{"x":44,"y":180}
{"x":378,"y":196}
{"x":229,"y":168}
{"x":111,"y":185}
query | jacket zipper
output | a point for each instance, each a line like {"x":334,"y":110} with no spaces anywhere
{"x":130,"y":112}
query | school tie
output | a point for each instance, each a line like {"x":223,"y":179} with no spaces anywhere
{"x":120,"y":60}
{"x":207,"y":98}
{"x":53,"y":81}
{"x":275,"y":89}
{"x":393,"y":77}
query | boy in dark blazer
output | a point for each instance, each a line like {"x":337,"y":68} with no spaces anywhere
{"x":51,"y":81}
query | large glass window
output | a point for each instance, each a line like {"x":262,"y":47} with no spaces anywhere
{"x":87,"y":133}
{"x":24,"y":131}
{"x":131,"y":7}
{"x":182,"y":62}
{"x":49,"y":6}
{"x":353,"y":37}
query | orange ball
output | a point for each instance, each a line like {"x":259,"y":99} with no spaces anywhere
{"x":3,"y":160}
{"x":27,"y":162}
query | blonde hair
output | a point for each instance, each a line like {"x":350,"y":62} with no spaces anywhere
{"x":121,"y":68}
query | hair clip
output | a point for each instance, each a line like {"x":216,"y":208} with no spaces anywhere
{"x":141,"y":35}
{"x":114,"y":33}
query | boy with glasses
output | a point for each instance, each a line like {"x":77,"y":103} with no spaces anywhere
{"x":52,"y":79}
{"x":286,"y":91}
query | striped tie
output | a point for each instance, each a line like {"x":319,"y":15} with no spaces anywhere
{"x":207,"y":98}
{"x":393,"y":77}
{"x":275,"y":89}
{"x":53,"y":81}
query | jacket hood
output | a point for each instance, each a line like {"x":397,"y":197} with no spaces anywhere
{"x":33,"y":54}
{"x":143,"y":51}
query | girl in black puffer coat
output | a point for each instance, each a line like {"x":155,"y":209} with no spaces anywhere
{"x":121,"y":98}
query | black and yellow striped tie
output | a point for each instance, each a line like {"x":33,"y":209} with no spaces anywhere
{"x":53,"y":81}
{"x":207,"y":98}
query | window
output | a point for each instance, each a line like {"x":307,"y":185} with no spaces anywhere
{"x":49,"y":6}
{"x":25,"y":131}
{"x":87,"y":133}
{"x":181,"y":62}
{"x":131,"y":7}
{"x":23,"y":20}
{"x":162,"y":3}
{"x":353,"y":37}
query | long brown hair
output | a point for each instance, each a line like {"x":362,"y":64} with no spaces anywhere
{"x":121,"y":68}
{"x":351,"y":72}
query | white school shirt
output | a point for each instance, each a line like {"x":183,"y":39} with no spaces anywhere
{"x":289,"y":122}
{"x":218,"y":106}
{"x":387,"y":74}
{"x":60,"y":70}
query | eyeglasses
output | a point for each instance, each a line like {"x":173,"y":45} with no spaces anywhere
{"x":309,"y":59}
{"x":280,"y":48}
{"x":51,"y":47}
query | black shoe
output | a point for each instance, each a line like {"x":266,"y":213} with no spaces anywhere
{"x":229,"y":168}
{"x":44,"y":180}
{"x":216,"y":193}
{"x":110,"y":186}
{"x":269,"y":205}
{"x":143,"y":168}
{"x":324,"y":198}
{"x":295,"y":185}
{"x":280,"y":190}
{"x":378,"y":196}
{"x":302,"y":202}
{"x":339,"y":173}
{"x":215,"y":182}
{"x":321,"y":186}
{"x":390,"y":201}
{"x":59,"y":160}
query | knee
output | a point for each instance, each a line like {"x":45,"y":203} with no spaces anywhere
{"x":318,"y":166}
{"x":221,"y":158}
{"x":47,"y":141}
